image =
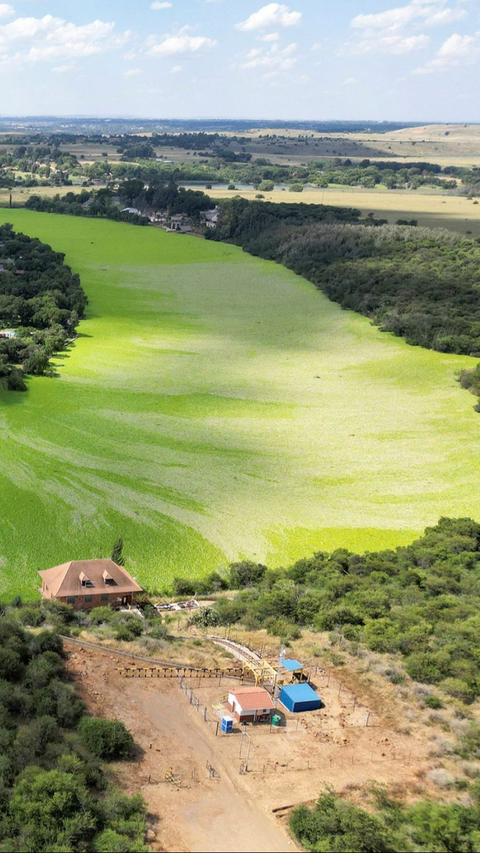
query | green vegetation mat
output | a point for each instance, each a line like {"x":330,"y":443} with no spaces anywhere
{"x":218,"y":406}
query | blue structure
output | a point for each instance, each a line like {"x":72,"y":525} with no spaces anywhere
{"x":290,"y":665}
{"x":227,"y":724}
{"x":300,"y":697}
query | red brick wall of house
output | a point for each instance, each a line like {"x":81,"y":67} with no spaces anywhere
{"x":81,"y":602}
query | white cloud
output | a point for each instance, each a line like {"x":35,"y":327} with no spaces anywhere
{"x":396,"y":30}
{"x":158,"y":5}
{"x":132,"y":72}
{"x":272,"y":15}
{"x":176,"y":69}
{"x":63,"y":69}
{"x":431,"y":13}
{"x":391,"y":19}
{"x":392,"y":44}
{"x":445,"y":16}
{"x":456,"y":50}
{"x":180,"y":42}
{"x":270,"y":37}
{"x":6,"y":11}
{"x":279,"y":60}
{"x":50,"y":38}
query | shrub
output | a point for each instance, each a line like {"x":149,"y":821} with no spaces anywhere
{"x":158,"y":630}
{"x":183,"y":587}
{"x":108,"y":739}
{"x":433,"y":702}
{"x":282,"y":628}
{"x":46,"y":641}
{"x":334,"y":825}
{"x":246,"y":574}
{"x":459,"y":689}
{"x":31,"y":616}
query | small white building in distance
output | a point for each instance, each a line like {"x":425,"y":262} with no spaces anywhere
{"x":211,"y":218}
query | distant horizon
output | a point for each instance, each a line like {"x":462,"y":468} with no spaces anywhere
{"x":229,"y":118}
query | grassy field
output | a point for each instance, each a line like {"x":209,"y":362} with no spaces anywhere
{"x":21,"y":195}
{"x":445,"y":144}
{"x":433,"y":210}
{"x":216,"y":406}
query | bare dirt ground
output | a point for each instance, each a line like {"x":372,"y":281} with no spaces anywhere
{"x":225,"y":809}
{"x":199,"y":811}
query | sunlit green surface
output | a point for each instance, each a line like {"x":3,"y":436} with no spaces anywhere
{"x":218,"y":406}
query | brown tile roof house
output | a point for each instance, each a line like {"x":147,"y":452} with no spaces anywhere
{"x":250,"y":704}
{"x":89,"y":583}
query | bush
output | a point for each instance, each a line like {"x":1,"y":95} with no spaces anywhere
{"x":433,"y":702}
{"x":31,"y":616}
{"x":183,"y":587}
{"x":246,"y":574}
{"x":282,"y":628}
{"x":459,"y":689}
{"x":130,"y":630}
{"x":158,"y":630}
{"x":108,"y":739}
{"x":334,"y":825}
{"x":11,"y":665}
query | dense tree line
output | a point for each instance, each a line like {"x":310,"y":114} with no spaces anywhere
{"x":40,"y":299}
{"x":224,"y":165}
{"x":54,"y":791}
{"x":91,"y":204}
{"x":334,"y":825}
{"x":421,"y":603}
{"x":420,"y":284}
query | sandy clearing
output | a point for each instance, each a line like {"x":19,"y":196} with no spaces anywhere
{"x":234,"y":811}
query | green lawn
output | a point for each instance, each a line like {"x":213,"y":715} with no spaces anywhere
{"x":218,"y":406}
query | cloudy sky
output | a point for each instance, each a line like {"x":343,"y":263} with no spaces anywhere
{"x":302,"y":59}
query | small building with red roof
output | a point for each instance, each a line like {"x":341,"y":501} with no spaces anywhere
{"x":250,"y":704}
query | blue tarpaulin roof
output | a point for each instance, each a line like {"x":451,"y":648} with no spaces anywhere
{"x":300,"y":697}
{"x":300,"y":693}
{"x":290,"y":665}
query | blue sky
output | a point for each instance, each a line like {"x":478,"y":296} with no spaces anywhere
{"x":302,"y":59}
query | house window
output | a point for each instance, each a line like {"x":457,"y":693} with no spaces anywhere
{"x":104,"y":596}
{"x":89,"y":598}
{"x":71,"y":599}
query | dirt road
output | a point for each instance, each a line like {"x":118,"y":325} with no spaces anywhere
{"x":199,"y":811}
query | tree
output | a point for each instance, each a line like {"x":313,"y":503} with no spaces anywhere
{"x":51,"y":811}
{"x":117,"y":552}
{"x":107,"y":739}
{"x":246,"y":573}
